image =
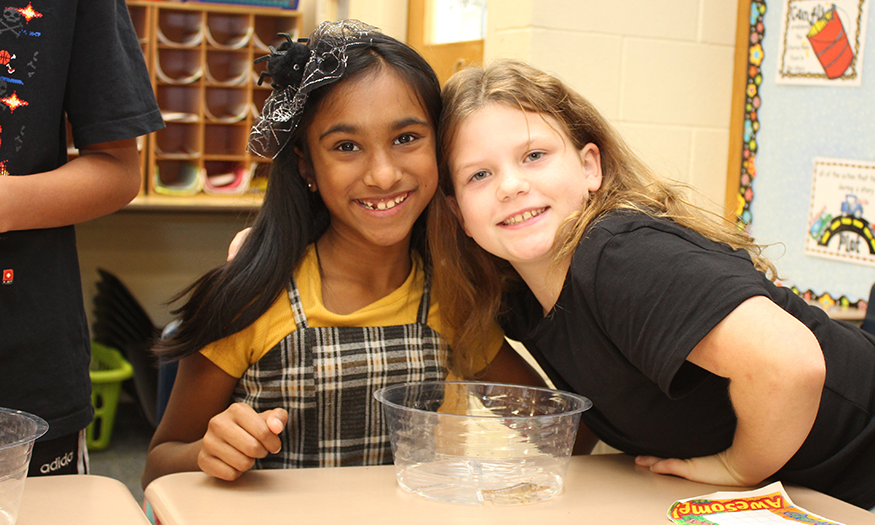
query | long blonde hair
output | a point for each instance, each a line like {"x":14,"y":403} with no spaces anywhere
{"x":469,"y":282}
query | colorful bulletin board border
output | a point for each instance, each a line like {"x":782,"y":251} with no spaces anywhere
{"x":752,"y":104}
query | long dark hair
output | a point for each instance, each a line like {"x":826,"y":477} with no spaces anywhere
{"x":232,"y":296}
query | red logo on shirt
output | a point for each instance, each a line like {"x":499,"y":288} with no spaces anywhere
{"x":7,"y":276}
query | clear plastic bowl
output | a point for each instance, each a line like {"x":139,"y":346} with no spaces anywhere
{"x":471,"y":442}
{"x":18,"y":431}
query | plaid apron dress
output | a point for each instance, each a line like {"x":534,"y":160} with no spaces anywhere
{"x":326,"y":376}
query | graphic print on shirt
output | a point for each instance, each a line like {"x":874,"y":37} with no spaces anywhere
{"x":6,"y":59}
{"x":14,"y":22}
{"x":15,"y":19}
{"x":13,"y":101}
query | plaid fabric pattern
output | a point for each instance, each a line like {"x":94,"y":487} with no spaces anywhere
{"x":326,"y":377}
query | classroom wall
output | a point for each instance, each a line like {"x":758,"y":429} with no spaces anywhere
{"x":389,"y":15}
{"x":661,"y":70}
{"x":796,"y":124}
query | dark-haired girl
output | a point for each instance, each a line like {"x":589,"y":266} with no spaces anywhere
{"x":327,"y":300}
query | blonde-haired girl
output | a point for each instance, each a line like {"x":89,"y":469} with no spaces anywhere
{"x":626,"y":293}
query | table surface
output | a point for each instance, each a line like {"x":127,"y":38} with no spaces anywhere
{"x":73,"y":500}
{"x":598,"y":489}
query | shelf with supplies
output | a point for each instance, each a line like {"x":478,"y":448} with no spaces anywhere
{"x":200,"y":57}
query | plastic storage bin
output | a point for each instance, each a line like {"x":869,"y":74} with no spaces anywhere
{"x":108,"y":369}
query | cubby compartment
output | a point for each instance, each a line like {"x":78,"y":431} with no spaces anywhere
{"x":222,"y":140}
{"x":222,"y":172}
{"x":229,"y":30}
{"x":226,"y":105}
{"x":226,"y":177}
{"x":140,"y":19}
{"x":228,"y":68}
{"x":178,"y":66}
{"x":266,"y":33}
{"x":177,"y":177}
{"x":180,"y":28}
{"x":200,"y":57}
{"x":178,"y":140}
{"x":179,"y":103}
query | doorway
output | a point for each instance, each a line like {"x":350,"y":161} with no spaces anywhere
{"x":448,"y":33}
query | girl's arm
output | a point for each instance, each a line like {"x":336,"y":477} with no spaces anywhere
{"x":200,"y":431}
{"x":102,"y":179}
{"x":510,"y":367}
{"x":776,"y":372}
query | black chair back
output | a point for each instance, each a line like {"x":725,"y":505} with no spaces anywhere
{"x":869,"y":321}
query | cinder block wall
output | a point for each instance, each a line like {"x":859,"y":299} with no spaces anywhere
{"x":660,"y":70}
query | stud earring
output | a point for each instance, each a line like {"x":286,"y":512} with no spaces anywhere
{"x":311,"y":187}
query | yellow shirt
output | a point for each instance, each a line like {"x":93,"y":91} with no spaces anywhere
{"x":235,"y":353}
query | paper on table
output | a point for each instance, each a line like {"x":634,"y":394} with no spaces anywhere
{"x":765,"y":506}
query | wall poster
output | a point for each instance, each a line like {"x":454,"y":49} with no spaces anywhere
{"x":822,"y":42}
{"x":804,"y":128}
{"x":842,"y":222}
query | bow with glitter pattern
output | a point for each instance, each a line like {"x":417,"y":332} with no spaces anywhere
{"x":297,"y":68}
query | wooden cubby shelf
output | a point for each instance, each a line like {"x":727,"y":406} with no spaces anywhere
{"x":200,"y":59}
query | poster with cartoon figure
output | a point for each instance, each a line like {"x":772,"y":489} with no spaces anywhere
{"x":842,"y":216}
{"x":822,"y":42}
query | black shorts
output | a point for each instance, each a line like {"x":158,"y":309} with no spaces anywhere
{"x":62,"y":455}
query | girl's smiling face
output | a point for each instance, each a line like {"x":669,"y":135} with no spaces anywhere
{"x":517,"y":177}
{"x":372,"y":153}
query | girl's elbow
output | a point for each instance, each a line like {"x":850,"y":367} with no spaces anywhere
{"x":131,"y":185}
{"x":811,"y":367}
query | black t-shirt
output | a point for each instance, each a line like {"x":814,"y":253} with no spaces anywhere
{"x":57,"y":57}
{"x":640,"y":294}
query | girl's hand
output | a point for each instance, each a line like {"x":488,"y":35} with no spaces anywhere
{"x":238,"y":436}
{"x":776,"y":373}
{"x":714,"y":470}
